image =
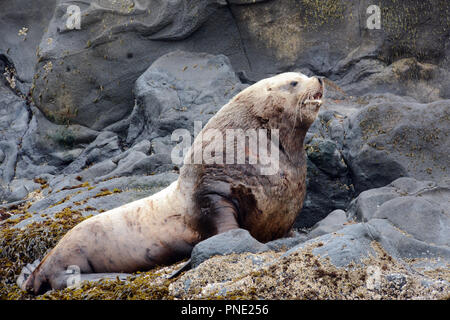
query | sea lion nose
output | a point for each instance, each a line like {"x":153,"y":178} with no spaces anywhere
{"x":320,"y":81}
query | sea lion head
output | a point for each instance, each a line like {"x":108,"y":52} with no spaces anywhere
{"x":293,"y":95}
{"x":302,"y":95}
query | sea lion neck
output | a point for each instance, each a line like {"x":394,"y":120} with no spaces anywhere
{"x":292,"y":144}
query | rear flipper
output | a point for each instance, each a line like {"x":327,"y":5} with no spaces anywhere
{"x":72,"y":277}
{"x":184,"y":267}
{"x":26,"y":273}
{"x":74,"y":280}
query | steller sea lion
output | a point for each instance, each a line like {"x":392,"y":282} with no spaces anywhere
{"x":208,"y":198}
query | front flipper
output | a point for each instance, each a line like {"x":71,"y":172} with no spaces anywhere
{"x":221,"y":213}
{"x":217,"y":212}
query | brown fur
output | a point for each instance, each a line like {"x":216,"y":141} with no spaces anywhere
{"x":206,"y":199}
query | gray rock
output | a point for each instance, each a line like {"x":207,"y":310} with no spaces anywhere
{"x":85,"y":200}
{"x":8,"y":165}
{"x":424,"y":219}
{"x":254,"y":37}
{"x":326,"y":156}
{"x":349,"y":245}
{"x":336,"y":220}
{"x":98,"y":64}
{"x":14,"y":115}
{"x":397,"y":280}
{"x":377,"y":202}
{"x":399,"y":243}
{"x":21,"y":49}
{"x":105,"y":146}
{"x":408,"y":77}
{"x":390,"y":139}
{"x":243,"y":2}
{"x":14,"y":118}
{"x":329,"y":182}
{"x":286,"y":243}
{"x":178,"y":89}
{"x":98,"y":170}
{"x":323,"y":195}
{"x":233,"y":241}
{"x":20,"y":188}
{"x":409,"y":218}
{"x":47,"y":147}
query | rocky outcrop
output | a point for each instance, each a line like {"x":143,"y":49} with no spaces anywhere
{"x":383,"y":238}
{"x":86,"y":115}
{"x":391,"y":139}
{"x":23,"y":23}
{"x":83,"y":72}
{"x":178,"y":89}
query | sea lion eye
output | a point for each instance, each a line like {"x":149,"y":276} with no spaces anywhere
{"x":294,"y":83}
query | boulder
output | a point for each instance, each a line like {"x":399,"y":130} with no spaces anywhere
{"x":391,"y":138}
{"x":334,"y":221}
{"x":233,"y":241}
{"x":408,"y":218}
{"x":105,"y":195}
{"x":350,"y":245}
{"x":82,"y":72}
{"x":178,"y":89}
{"x":23,"y":24}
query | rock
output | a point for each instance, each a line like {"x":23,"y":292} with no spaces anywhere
{"x":399,"y":243}
{"x":255,"y":37}
{"x":422,"y":219}
{"x":406,"y":77}
{"x":20,"y":188}
{"x":233,"y":241}
{"x":329,"y":182}
{"x":14,"y":118}
{"x":303,"y":276}
{"x":334,"y":221}
{"x":8,"y":165}
{"x":98,"y":64}
{"x":105,"y":146}
{"x":97,"y":170}
{"x":14,"y":115}
{"x":325,"y":155}
{"x":221,"y":272}
{"x":103,"y":196}
{"x":323,"y":195}
{"x":47,"y":148}
{"x":349,"y":245}
{"x":285,"y":243}
{"x":408,"y":218}
{"x":397,"y":280}
{"x":331,"y":37}
{"x":376,"y":203}
{"x":178,"y":89}
{"x":390,"y":139}
{"x":21,"y":47}
{"x":243,"y":2}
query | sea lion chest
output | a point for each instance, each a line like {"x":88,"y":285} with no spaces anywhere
{"x":270,"y":207}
